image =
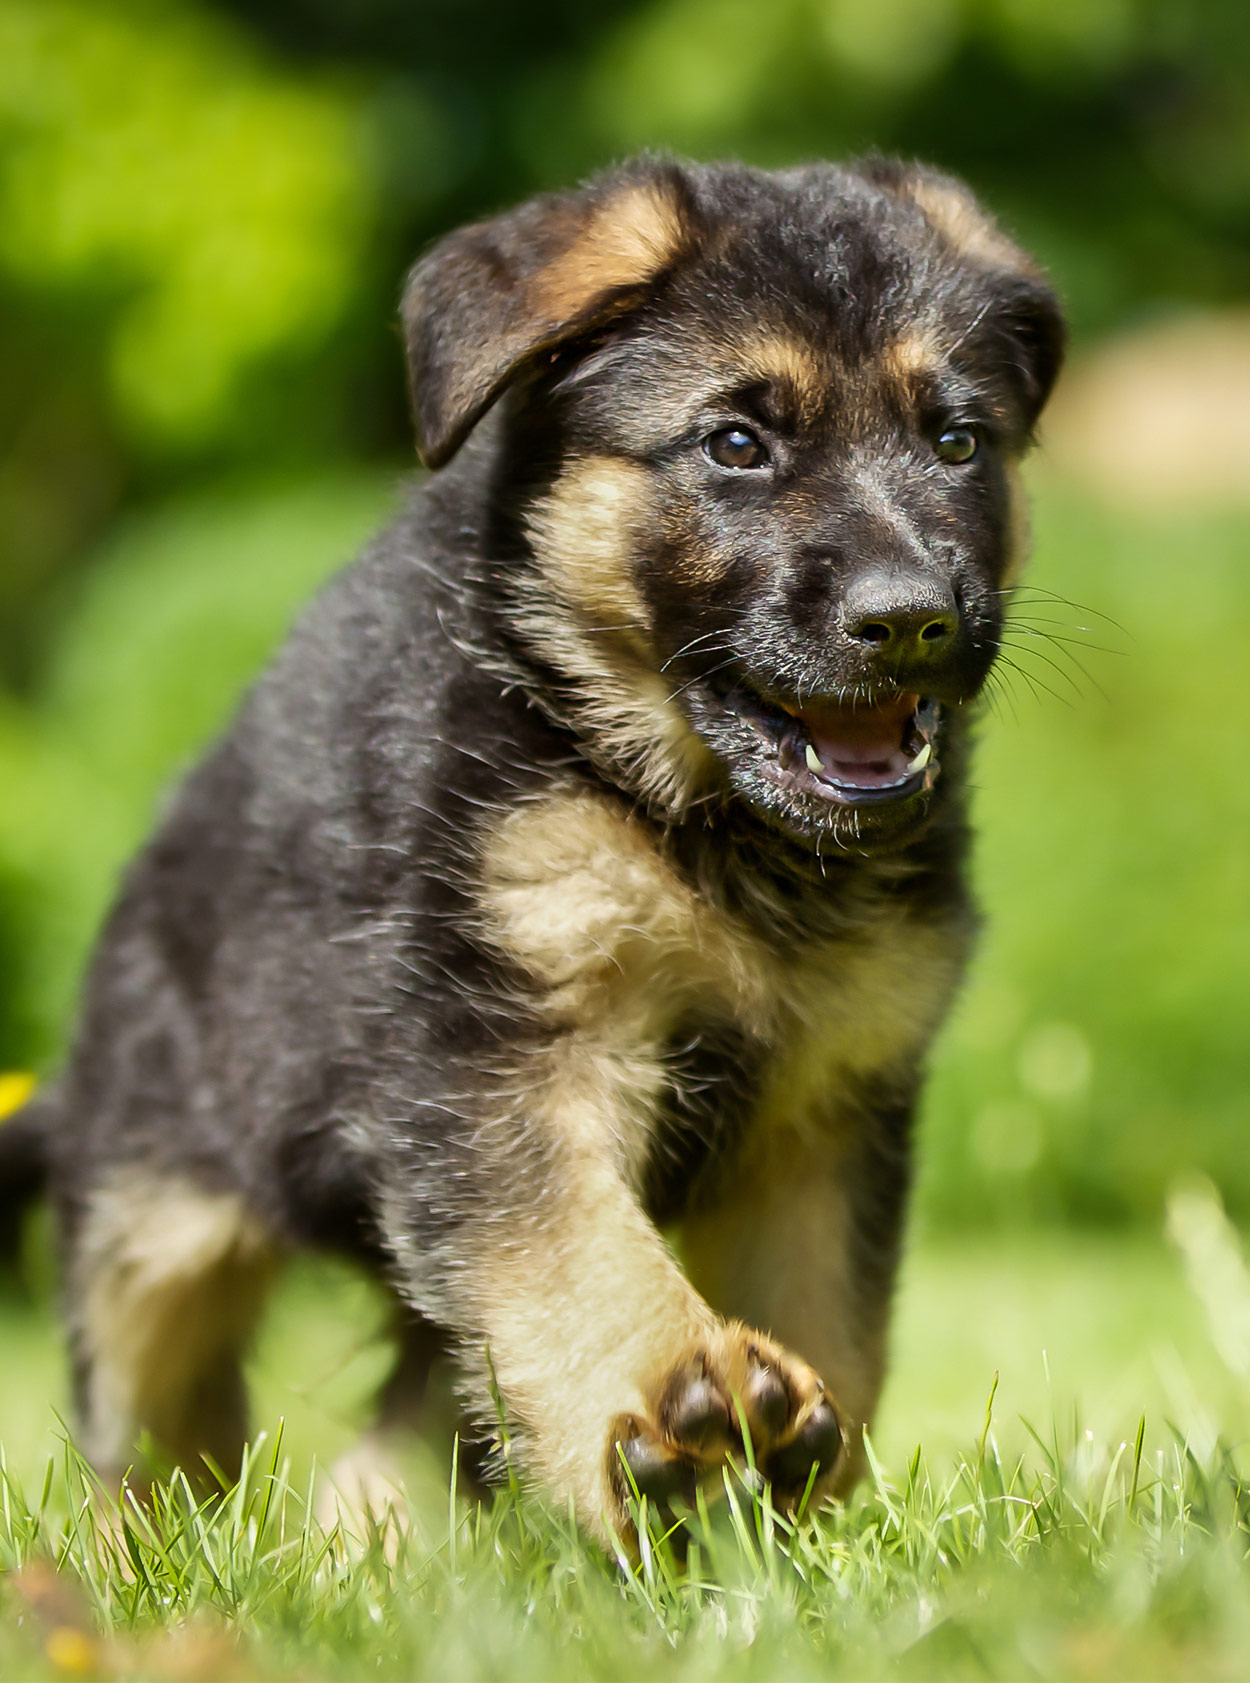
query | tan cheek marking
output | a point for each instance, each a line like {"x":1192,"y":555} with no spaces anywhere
{"x":583,"y":534}
{"x":626,"y":243}
{"x":958,"y":218}
{"x":587,"y":617}
{"x":700,"y":569}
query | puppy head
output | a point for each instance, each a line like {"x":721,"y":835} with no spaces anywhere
{"x":760,"y":430}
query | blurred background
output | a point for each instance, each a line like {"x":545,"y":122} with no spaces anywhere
{"x":206,"y":209}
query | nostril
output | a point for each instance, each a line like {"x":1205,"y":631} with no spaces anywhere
{"x":897,"y":619}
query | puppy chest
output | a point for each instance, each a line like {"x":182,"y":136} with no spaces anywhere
{"x":681,"y":1029}
{"x":848,"y":1024}
{"x":609,"y":940}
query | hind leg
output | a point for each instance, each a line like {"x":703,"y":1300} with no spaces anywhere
{"x":365,"y":1487}
{"x":165,"y":1282}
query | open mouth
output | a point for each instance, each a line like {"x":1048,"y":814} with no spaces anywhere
{"x":864,"y":752}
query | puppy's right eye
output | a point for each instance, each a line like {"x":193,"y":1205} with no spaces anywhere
{"x":735,"y":447}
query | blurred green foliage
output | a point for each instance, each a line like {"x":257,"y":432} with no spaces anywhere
{"x":1101,"y":1049}
{"x":166,"y":627}
{"x":205,"y":212}
{"x":212,"y":210}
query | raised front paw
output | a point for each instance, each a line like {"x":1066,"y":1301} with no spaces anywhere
{"x":737,"y":1382}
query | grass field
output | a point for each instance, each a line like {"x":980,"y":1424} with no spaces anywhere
{"x":1098,"y":1528}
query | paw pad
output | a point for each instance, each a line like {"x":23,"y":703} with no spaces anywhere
{"x":742,"y":1384}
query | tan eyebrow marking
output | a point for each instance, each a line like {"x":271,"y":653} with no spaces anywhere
{"x":911,"y":357}
{"x":787,"y":362}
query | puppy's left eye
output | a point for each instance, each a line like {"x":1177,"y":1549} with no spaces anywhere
{"x":957,"y":445}
{"x":736,"y":447}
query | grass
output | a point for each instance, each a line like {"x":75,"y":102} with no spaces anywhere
{"x":1091,"y":1523}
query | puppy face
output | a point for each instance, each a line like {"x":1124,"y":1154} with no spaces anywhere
{"x":761,"y":440}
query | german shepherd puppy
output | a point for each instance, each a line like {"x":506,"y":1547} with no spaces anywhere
{"x":582,"y":887}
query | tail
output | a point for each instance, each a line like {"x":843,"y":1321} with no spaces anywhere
{"x":23,"y":1169}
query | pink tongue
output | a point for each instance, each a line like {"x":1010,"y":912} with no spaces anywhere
{"x":861,"y":745}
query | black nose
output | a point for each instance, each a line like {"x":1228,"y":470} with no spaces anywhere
{"x":902,"y":616}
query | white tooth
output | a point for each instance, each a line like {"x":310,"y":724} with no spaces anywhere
{"x":814,"y":761}
{"x":922,"y":758}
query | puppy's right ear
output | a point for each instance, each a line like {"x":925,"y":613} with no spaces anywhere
{"x":493,"y":297}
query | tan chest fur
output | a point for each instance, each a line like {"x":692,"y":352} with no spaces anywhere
{"x":622,"y":951}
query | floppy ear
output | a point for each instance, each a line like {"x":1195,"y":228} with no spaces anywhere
{"x":492,"y":297}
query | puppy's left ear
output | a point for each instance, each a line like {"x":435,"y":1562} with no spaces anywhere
{"x":1021,"y":329}
{"x":492,"y":298}
{"x":1028,"y":337}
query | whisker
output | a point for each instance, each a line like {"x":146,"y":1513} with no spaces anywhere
{"x":1031,"y":628}
{"x":998,"y":693}
{"x":971,"y":327}
{"x":693,"y":644}
{"x":1033,"y":681}
{"x":1063,"y":647}
{"x":682,"y":688}
{"x":1065,"y":601}
{"x":713,"y":649}
{"x":1060,"y":671}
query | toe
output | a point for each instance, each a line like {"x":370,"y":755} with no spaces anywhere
{"x":766,"y":1402}
{"x":696,"y":1414}
{"x":817,"y":1443}
{"x":658,"y":1474}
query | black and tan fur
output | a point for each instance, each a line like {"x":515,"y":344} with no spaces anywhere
{"x":503,"y":943}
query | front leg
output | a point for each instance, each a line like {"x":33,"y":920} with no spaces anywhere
{"x":597,"y":1339}
{"x":805,"y":1242}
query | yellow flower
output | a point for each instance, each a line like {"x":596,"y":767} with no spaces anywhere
{"x":15,"y":1089}
{"x":70,"y":1649}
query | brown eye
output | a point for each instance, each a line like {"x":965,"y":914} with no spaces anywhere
{"x":956,"y":445}
{"x":735,"y":447}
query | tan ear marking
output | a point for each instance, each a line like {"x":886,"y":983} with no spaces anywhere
{"x":493,"y":296}
{"x":626,"y":242}
{"x":965,"y":227}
